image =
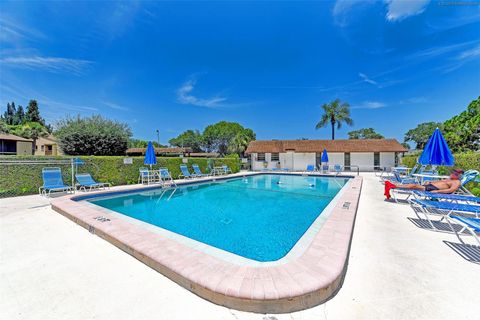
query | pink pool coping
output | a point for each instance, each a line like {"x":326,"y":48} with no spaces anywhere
{"x":308,"y":280}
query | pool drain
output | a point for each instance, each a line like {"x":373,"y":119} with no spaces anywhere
{"x":101,"y":219}
{"x":346,"y":205}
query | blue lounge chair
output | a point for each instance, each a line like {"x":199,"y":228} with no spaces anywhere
{"x":442,"y":209}
{"x":446,"y":208}
{"x":197,"y":171}
{"x":185,"y":173}
{"x":85,"y":181}
{"x":226,"y":169}
{"x":338,"y":168}
{"x":446,"y":197}
{"x":472,"y":225}
{"x":397,"y":178}
{"x":165,"y":177}
{"x":468,"y":176}
{"x":145,"y":176}
{"x":53,"y":182}
{"x":310,"y":168}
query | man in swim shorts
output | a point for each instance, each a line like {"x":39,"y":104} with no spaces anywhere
{"x":441,"y":186}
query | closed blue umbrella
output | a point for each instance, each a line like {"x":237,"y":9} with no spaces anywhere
{"x":436,"y":152}
{"x":150,"y":155}
{"x":324,"y":156}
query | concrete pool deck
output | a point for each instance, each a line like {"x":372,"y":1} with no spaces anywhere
{"x":52,"y":268}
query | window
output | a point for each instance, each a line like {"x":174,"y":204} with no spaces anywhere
{"x":376,"y":159}
{"x":8,"y":147}
{"x":275,"y":157}
{"x":261,"y":157}
{"x":318,"y":159}
{"x":347,"y":160}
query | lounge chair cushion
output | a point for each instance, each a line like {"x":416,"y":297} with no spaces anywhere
{"x":473,"y":223}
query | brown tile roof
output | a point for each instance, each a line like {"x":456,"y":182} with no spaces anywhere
{"x":7,"y":136}
{"x":175,"y":150}
{"x":367,"y":145}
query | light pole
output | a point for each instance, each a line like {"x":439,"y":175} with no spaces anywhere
{"x":158,"y":137}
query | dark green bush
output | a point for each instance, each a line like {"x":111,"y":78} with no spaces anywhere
{"x":25,"y":179}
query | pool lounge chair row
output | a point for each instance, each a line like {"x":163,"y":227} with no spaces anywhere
{"x":197,"y":172}
{"x":460,"y":211}
{"x":53,"y":182}
{"x":324,"y":168}
{"x":163,"y":176}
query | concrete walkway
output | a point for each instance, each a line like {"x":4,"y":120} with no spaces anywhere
{"x":51,"y":268}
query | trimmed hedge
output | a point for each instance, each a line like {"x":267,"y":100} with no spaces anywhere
{"x":24,"y":179}
{"x":465,"y":161}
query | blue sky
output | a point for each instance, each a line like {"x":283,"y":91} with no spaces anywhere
{"x":269,"y":65}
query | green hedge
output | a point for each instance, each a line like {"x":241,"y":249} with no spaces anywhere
{"x":24,"y":179}
{"x":465,"y":161}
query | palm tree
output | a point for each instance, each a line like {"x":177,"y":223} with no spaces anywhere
{"x":335,"y":112}
{"x":240,"y":141}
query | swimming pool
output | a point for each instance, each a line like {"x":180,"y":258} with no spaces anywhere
{"x":258,"y":217}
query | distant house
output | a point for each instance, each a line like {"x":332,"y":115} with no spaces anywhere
{"x":47,"y":147}
{"x":297,"y":154}
{"x":175,"y":151}
{"x":15,"y":145}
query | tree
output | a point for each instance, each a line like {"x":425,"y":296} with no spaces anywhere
{"x":190,"y":138}
{"x":462,"y":132}
{"x":33,"y":113}
{"x":335,"y":113}
{"x":406,"y":145}
{"x":31,"y":130}
{"x":218,"y":136}
{"x":240,"y":142}
{"x":19,"y":117}
{"x":138,"y":143}
{"x":422,"y":133}
{"x":4,"y":128}
{"x":9,"y":115}
{"x":93,"y":135}
{"x":365,"y":133}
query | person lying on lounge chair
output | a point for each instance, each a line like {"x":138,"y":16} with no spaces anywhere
{"x":441,"y":186}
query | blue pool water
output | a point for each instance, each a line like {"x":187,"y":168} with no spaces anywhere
{"x":258,"y":217}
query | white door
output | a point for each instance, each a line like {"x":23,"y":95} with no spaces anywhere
{"x":288,"y":161}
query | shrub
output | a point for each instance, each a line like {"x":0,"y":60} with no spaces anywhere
{"x":25,"y":179}
{"x":93,"y":135}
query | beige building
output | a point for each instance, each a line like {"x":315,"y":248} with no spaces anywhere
{"x":366,"y":155}
{"x":14,"y":145}
{"x":47,"y":147}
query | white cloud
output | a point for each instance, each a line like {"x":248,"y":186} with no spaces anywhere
{"x":184,"y":96}
{"x":13,"y":31}
{"x":115,"y":106}
{"x":342,"y":8}
{"x":370,"y":105}
{"x":50,"y":64}
{"x":398,"y":10}
{"x":367,"y":79}
{"x":470,"y":53}
{"x":437,"y":51}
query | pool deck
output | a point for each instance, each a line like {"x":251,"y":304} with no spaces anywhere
{"x":52,"y":268}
